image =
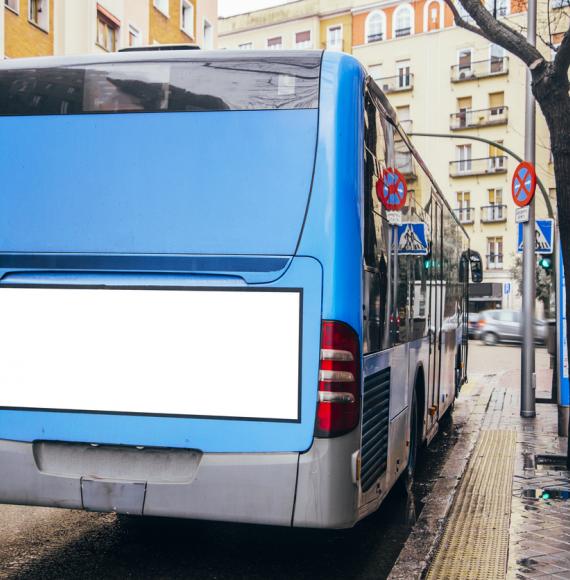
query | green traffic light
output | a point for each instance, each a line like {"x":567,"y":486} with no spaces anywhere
{"x":545,"y":263}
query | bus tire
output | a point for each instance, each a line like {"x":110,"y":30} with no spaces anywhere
{"x":407,"y":478}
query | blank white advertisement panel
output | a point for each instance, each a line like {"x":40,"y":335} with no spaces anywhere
{"x":208,"y":353}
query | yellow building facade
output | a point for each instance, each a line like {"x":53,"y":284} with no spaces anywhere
{"x":442,"y":80}
{"x":66,"y":27}
{"x":28,"y":28}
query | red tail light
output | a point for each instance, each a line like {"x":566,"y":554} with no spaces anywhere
{"x":338,"y":406}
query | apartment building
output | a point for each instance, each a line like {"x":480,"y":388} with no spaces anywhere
{"x":442,"y":80}
{"x":301,"y":24}
{"x":28,"y":28}
{"x":66,"y":27}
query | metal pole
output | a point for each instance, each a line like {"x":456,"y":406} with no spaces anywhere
{"x":500,"y":146}
{"x":528,"y":377}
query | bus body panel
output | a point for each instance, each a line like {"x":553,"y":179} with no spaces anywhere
{"x":207,"y":435}
{"x":333,"y":226}
{"x":191,"y":176}
{"x":256,"y":488}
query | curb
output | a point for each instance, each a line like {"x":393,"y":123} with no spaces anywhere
{"x":420,"y":547}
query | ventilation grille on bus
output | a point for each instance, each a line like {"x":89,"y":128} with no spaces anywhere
{"x":375,"y":423}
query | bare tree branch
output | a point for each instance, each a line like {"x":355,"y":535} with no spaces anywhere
{"x":496,"y":31}
{"x":463,"y":23}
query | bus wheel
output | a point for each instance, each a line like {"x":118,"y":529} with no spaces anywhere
{"x":408,"y":475}
{"x":458,"y":375}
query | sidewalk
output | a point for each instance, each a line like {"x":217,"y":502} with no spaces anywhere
{"x":500,"y":508}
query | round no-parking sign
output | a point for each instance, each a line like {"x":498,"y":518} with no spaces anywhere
{"x":392,"y":189}
{"x":524,"y":183}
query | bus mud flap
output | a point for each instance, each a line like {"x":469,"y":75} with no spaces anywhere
{"x":99,"y":495}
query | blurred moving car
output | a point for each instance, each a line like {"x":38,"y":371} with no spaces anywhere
{"x":473,"y":324}
{"x":496,"y":326}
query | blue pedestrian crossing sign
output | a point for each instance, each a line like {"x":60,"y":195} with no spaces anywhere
{"x":544,"y":237}
{"x":412,"y":239}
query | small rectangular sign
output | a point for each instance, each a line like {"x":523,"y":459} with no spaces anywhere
{"x":522,"y":214}
{"x":182,"y":352}
{"x":394,"y":217}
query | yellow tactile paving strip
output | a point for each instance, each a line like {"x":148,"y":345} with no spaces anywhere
{"x":475,"y":541}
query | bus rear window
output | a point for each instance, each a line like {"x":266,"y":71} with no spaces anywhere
{"x":149,"y":87}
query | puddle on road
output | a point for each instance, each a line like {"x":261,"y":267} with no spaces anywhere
{"x":547,"y":494}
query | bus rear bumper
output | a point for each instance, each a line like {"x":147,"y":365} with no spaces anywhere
{"x":253,"y":488}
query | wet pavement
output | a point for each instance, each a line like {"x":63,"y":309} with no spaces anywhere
{"x":51,"y":543}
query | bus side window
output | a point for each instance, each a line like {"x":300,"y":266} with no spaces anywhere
{"x":411,"y":309}
{"x":375,"y":275}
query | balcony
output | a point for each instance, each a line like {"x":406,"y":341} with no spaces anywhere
{"x":493,"y":214}
{"x":483,"y":166}
{"x":465,"y":215}
{"x":494,"y":261}
{"x":492,"y":67}
{"x":396,"y":84}
{"x":402,"y":32}
{"x":480,"y":118}
{"x":405,"y":164}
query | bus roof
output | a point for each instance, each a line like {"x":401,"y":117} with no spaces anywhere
{"x":150,"y":56}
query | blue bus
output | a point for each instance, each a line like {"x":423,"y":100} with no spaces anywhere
{"x":205,"y":310}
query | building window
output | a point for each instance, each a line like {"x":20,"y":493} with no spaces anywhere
{"x":246,"y":46}
{"x":187,"y":17}
{"x":404,"y":75}
{"x":208,"y":35}
{"x":464,"y":106}
{"x":496,"y":58}
{"x":464,"y":57}
{"x":403,"y":18}
{"x":38,"y":13}
{"x":463,"y":153}
{"x":495,"y":253}
{"x":303,"y":39}
{"x":13,"y":5}
{"x":501,"y":7}
{"x":464,"y":210}
{"x":275,"y":43}
{"x":107,"y":32}
{"x":135,"y":38}
{"x":496,"y":158}
{"x":334,"y":38}
{"x":375,"y":26}
{"x":161,"y":5}
{"x":496,"y":104}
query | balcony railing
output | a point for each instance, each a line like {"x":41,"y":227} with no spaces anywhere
{"x":494,"y":66}
{"x":466,"y":215}
{"x":403,"y":82}
{"x":493,"y":214}
{"x":375,"y":37}
{"x":402,"y":32}
{"x":494,"y":261}
{"x":480,"y":118}
{"x":482,"y":166}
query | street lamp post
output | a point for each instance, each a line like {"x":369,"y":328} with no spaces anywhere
{"x":528,"y":375}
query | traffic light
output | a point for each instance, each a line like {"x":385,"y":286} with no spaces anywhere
{"x":545,"y":262}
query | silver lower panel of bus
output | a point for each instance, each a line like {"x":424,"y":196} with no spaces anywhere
{"x":255,"y":488}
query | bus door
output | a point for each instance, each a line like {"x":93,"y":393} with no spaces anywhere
{"x":436,"y":311}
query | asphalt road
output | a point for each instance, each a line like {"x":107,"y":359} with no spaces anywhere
{"x":61,"y":544}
